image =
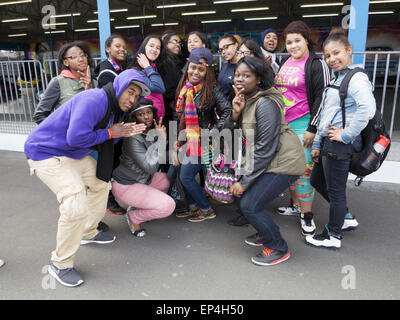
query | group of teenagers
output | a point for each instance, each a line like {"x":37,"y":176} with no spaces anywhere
{"x":92,"y":146}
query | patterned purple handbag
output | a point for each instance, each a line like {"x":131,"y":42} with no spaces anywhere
{"x":220,"y":177}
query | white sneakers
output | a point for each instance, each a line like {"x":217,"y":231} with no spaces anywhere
{"x":328,"y":240}
{"x":350,"y":223}
{"x":325,"y":240}
{"x":307,"y":225}
{"x":289,"y":211}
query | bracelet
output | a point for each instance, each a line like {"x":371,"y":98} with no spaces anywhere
{"x":110,"y":133}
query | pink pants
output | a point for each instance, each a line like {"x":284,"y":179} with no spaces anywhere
{"x":150,"y":201}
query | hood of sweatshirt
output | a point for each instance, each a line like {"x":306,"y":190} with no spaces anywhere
{"x":125,"y":78}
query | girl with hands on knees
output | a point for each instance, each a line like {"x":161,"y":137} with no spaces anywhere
{"x":333,"y":145}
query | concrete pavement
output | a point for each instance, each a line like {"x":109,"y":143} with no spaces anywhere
{"x":179,"y":260}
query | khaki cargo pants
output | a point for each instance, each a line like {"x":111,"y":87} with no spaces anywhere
{"x":83,"y":202}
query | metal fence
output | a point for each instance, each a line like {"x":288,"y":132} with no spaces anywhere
{"x":23,"y":81}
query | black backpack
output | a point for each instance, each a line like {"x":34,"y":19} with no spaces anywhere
{"x":360,"y":165}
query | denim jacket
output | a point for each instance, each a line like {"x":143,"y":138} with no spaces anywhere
{"x":360,"y":107}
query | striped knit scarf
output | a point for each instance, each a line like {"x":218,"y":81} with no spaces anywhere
{"x":191,"y":122}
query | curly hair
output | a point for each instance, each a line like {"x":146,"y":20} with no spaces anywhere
{"x":301,"y":28}
{"x":61,"y":54}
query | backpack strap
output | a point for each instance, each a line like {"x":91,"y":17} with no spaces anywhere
{"x":107,"y":71}
{"x":343,"y":90}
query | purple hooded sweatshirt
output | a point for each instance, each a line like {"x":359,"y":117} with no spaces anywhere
{"x":69,"y":130}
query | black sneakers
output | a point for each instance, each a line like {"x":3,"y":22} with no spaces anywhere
{"x":269,"y":257}
{"x":254,"y":240}
{"x":113,"y":207}
{"x":102,"y":227}
{"x":239,"y":221}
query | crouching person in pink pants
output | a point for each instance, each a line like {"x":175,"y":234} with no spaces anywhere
{"x":136,"y":181}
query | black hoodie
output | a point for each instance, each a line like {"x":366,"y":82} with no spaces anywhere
{"x":318,"y":76}
{"x":105,"y":73}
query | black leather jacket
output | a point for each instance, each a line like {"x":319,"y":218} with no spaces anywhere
{"x":139,"y":160}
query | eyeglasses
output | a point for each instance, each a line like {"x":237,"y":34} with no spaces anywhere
{"x":175,"y":42}
{"x":245,"y":53}
{"x":225,"y":47}
{"x":82,"y":56}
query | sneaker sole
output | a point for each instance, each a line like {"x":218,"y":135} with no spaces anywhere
{"x":288,"y":214}
{"x":116,"y":213}
{"x":350,"y":229}
{"x":83,"y":242}
{"x":284,"y":258}
{"x":322,"y":247}
{"x":239,"y":225}
{"x":253,"y":244}
{"x":205,"y":218}
{"x":182,"y":216}
{"x":55,"y":276}
{"x":306,"y":233}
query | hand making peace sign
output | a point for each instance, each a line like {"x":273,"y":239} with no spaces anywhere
{"x":86,"y":79}
{"x":161,"y":129}
{"x":238,"y":103}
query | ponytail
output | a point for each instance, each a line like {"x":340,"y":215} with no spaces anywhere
{"x":337,"y":34}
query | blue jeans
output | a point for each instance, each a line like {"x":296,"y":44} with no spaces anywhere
{"x":329,"y":177}
{"x":190,"y":167}
{"x":252,"y":203}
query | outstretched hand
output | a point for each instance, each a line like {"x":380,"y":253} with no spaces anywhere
{"x":124,"y":130}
